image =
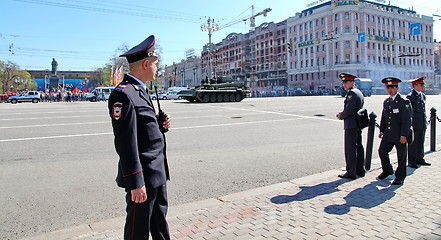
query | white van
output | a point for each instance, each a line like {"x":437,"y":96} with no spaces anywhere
{"x":99,"y":94}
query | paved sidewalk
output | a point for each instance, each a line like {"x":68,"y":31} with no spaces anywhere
{"x":320,"y":206}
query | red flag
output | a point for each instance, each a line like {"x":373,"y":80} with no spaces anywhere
{"x":102,"y":85}
{"x":84,"y":89}
{"x":75,"y":90}
{"x":111,"y":77}
{"x":263,"y":84}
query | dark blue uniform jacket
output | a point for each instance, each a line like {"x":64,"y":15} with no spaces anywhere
{"x":354,"y":101}
{"x":138,"y":140}
{"x":419,"y":118}
{"x":396,"y":120}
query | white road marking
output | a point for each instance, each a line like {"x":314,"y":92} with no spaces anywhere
{"x":178,"y":128}
{"x":52,"y":125}
{"x":36,"y":118}
{"x":280,"y":113}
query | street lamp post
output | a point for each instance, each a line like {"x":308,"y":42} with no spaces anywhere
{"x":211,"y":27}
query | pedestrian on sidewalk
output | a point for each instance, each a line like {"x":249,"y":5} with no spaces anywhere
{"x":354,"y":151}
{"x":139,"y":142}
{"x":395,"y":129}
{"x":419,"y":123}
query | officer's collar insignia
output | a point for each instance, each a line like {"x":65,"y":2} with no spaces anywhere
{"x":349,"y":96}
{"x":407,"y":106}
{"x":117,"y":110}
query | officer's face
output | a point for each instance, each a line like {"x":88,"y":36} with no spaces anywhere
{"x":419,"y":87}
{"x":392,"y":90}
{"x":151,"y":68}
{"x":348,"y":85}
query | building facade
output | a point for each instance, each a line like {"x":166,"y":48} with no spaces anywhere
{"x":186,"y":73}
{"x":269,"y":55}
{"x":370,"y":40}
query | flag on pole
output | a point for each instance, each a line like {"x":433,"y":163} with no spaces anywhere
{"x":111,"y":76}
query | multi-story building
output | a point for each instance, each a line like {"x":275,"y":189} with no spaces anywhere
{"x":186,"y":73}
{"x":370,"y":40}
{"x":437,"y":60}
{"x":258,"y":56}
{"x":230,"y":58}
{"x":269,"y":55}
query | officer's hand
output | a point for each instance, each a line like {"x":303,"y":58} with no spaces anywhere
{"x":380,"y":135}
{"x":167,"y":122}
{"x":338,"y":115}
{"x":139,"y":195}
{"x":403,"y":140}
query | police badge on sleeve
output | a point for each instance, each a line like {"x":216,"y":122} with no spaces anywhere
{"x":117,"y":110}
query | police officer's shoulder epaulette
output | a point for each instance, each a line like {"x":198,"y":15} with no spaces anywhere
{"x":121,"y":86}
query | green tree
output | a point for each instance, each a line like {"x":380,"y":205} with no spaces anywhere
{"x":11,"y":77}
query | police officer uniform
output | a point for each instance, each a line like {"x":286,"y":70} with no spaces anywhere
{"x":141,"y":148}
{"x":396,"y":121}
{"x":354,"y":151}
{"x":419,"y":125}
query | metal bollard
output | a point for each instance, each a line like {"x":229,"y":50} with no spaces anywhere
{"x":370,"y":140}
{"x":433,"y":120}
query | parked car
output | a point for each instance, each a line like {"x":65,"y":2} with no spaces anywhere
{"x":161,"y":95}
{"x":28,"y":96}
{"x":98,"y":94}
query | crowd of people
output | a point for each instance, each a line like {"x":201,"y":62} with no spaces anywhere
{"x":56,"y":95}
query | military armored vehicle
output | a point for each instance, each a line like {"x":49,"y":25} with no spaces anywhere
{"x":212,"y":90}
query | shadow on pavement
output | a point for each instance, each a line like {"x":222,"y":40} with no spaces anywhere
{"x":309,"y":192}
{"x":366,"y":197}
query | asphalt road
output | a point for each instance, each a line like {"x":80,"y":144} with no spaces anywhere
{"x":58,"y":163}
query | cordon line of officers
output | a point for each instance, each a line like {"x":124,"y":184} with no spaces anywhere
{"x":139,"y":139}
{"x":403,"y":126}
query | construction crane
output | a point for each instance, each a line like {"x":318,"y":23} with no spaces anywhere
{"x":252,"y":19}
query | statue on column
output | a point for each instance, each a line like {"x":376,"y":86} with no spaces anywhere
{"x":54,"y":66}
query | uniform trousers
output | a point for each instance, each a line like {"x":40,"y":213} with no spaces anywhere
{"x":147,"y":217}
{"x":354,"y":152}
{"x":416,"y":148}
{"x":384,"y":149}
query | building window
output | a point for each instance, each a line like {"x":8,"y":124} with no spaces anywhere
{"x":312,"y":49}
{"x":295,"y":28}
{"x":336,"y":17}
{"x":324,"y":75}
{"x":318,"y":48}
{"x":336,"y":59}
{"x":347,"y":44}
{"x":367,"y":18}
{"x":306,"y":63}
{"x":316,"y":22}
{"x":348,"y":59}
{"x":312,"y":62}
{"x":310,"y":24}
{"x":356,"y":15}
{"x":336,"y":30}
{"x":323,"y":20}
{"x":323,"y":47}
{"x":336,"y":45}
{"x":323,"y":33}
{"x":358,"y":59}
{"x":346,"y":29}
{"x":306,"y":26}
{"x":356,"y":29}
{"x":300,"y":27}
{"x":346,"y":15}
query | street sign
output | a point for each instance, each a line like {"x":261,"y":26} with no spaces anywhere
{"x":415,"y":28}
{"x":362,"y":37}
